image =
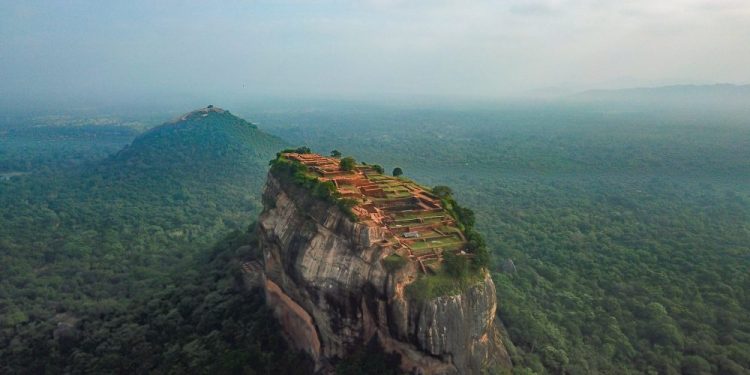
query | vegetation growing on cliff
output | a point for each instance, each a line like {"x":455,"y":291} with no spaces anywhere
{"x":291,"y":171}
{"x":447,"y":281}
{"x":457,"y":271}
{"x":394,"y":262}
{"x":348,"y":163}
{"x":466,"y":219}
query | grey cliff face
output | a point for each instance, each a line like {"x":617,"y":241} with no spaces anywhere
{"x":326,"y":283}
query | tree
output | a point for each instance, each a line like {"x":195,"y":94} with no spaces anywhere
{"x":442,"y":191}
{"x":694,"y":364}
{"x":336,"y":153}
{"x":554,"y":358}
{"x":298,"y":150}
{"x":397,"y":172}
{"x":465,"y":216}
{"x":456,"y":265}
{"x":347,"y":163}
{"x":378,"y":168}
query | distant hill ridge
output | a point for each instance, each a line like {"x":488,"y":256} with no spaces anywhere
{"x":724,"y":99}
{"x":720,"y":88}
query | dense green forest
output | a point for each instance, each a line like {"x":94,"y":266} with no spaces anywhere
{"x":202,"y":320}
{"x":43,"y":148}
{"x":628,"y":232}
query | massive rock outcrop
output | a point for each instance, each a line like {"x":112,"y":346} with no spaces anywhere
{"x":325,"y":281}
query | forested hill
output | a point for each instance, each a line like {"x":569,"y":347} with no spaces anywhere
{"x":81,"y":243}
{"x":203,"y":144}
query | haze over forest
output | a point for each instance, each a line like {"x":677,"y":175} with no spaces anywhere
{"x":579,"y":167}
{"x":88,"y":53}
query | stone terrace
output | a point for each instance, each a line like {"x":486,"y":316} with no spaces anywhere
{"x":420,"y":228}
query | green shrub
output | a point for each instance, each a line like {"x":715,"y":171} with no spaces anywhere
{"x":291,"y":171}
{"x":298,"y":150}
{"x":465,"y":219}
{"x":394,"y":262}
{"x":345,"y":205}
{"x":456,"y":265}
{"x":348,"y":163}
{"x":443,"y":192}
{"x":442,"y":283}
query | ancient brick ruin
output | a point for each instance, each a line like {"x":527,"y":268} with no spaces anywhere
{"x":420,"y":229}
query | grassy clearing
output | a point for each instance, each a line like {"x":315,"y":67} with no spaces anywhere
{"x":417,"y":215}
{"x":390,"y":195}
{"x":427,"y":287}
{"x":445,"y":244}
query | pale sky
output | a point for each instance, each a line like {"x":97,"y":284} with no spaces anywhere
{"x":485,"y":49}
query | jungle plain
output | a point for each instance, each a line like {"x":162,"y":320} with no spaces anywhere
{"x":619,"y":231}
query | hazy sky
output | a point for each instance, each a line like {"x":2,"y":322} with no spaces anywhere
{"x":148,"y":49}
